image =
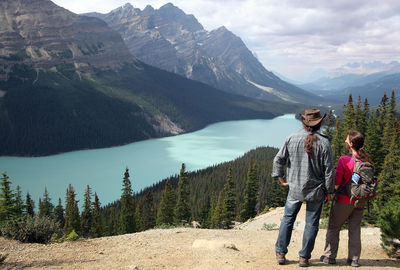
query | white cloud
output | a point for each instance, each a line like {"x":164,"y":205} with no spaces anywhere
{"x":291,"y":36}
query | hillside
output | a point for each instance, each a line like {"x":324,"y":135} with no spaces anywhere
{"x":185,"y":248}
{"x":68,"y":82}
{"x":172,"y":40}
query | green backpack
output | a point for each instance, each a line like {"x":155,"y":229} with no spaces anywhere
{"x":363,"y":183}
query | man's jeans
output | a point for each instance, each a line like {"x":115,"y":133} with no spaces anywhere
{"x":313,"y":213}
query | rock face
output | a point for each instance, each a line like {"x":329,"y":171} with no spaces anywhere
{"x":172,"y":40}
{"x":44,"y":35}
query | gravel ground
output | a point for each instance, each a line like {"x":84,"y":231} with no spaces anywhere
{"x":246,"y":247}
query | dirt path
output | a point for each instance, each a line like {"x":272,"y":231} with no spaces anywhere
{"x":184,"y":248}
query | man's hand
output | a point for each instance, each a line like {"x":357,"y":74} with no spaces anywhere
{"x":327,"y":198}
{"x":283,"y":182}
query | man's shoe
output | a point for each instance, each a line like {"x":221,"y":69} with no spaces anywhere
{"x":353,"y":263}
{"x":327,"y":260}
{"x":303,"y":262}
{"x":280,"y":258}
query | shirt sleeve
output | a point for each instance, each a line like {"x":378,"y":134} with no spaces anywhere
{"x":280,"y":161}
{"x":329,"y":183}
{"x":339,"y":174}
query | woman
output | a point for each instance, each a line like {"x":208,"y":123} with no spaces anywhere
{"x":343,"y":209}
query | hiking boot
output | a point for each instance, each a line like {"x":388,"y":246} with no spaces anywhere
{"x":303,"y":262}
{"x":327,"y":260}
{"x":353,"y":263}
{"x":280,"y":258}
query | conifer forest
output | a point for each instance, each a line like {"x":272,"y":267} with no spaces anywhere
{"x":215,"y":197}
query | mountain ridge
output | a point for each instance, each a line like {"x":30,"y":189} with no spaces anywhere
{"x":172,"y":40}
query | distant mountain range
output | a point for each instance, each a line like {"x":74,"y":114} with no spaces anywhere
{"x":69,"y":82}
{"x":369,"y":80}
{"x":174,"y":41}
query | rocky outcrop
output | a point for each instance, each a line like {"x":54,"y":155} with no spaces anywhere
{"x":172,"y":40}
{"x":44,"y":35}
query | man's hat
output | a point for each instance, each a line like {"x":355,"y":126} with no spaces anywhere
{"x":312,"y":117}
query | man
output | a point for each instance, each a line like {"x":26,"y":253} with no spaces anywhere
{"x":308,"y":157}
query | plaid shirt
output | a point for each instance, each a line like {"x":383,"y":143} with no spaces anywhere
{"x":309,"y":178}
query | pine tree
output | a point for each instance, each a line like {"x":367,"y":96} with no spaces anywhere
{"x":329,"y":126}
{"x":97,"y":225}
{"x":127,"y":223}
{"x":7,"y":199}
{"x":19,"y":204}
{"x":205,"y":215}
{"x":182,"y":208}
{"x":337,"y":141}
{"x":145,"y":213}
{"x":349,"y":121}
{"x":72,"y":220}
{"x":372,"y":143}
{"x":30,"y":205}
{"x":363,"y":120}
{"x":389,"y":182}
{"x":218,"y":217}
{"x":389,"y":223}
{"x":358,"y":115}
{"x":250,"y":193}
{"x":86,"y":216}
{"x":229,"y":200}
{"x":45,"y":206}
{"x":165,"y":214}
{"x":388,"y":128}
{"x":59,"y":213}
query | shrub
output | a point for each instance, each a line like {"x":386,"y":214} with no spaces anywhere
{"x":270,"y":226}
{"x":72,"y":236}
{"x":389,"y":223}
{"x":3,"y":257}
{"x":30,"y":230}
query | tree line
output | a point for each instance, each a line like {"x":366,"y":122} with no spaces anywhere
{"x":213,"y":197}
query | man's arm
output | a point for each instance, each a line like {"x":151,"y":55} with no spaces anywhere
{"x":329,"y":176}
{"x":280,"y":162}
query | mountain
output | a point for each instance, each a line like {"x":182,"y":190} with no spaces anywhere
{"x":373,"y":91}
{"x":68,"y":82}
{"x":174,"y":41}
{"x":352,"y":75}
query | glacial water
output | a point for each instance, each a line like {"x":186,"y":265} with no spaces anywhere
{"x":148,"y":161}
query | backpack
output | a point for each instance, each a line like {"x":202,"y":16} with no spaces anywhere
{"x":363,"y":183}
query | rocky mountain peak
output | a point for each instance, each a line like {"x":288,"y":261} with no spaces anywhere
{"x":148,"y":10}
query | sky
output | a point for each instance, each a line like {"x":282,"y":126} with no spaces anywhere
{"x":299,"y":39}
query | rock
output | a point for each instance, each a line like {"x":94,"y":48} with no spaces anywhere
{"x":196,"y":224}
{"x":213,"y":244}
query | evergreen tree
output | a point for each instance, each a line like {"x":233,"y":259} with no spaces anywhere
{"x":358,"y":115}
{"x":165,"y":214}
{"x":329,"y":126}
{"x":97,"y":225}
{"x":30,"y":205}
{"x":372,"y":143}
{"x":389,"y":181}
{"x":349,"y":121}
{"x":250,"y":193}
{"x":19,"y":204}
{"x":388,"y":128}
{"x":389,"y":223}
{"x":229,"y":200}
{"x":127,"y":222}
{"x":86,"y":216}
{"x":205,"y":215}
{"x":145,"y":213}
{"x":7,"y":199}
{"x":218,"y":213}
{"x":363,"y":120}
{"x":337,"y":141}
{"x":59,"y":213}
{"x":182,"y":208}
{"x":45,"y":206}
{"x":72,"y":220}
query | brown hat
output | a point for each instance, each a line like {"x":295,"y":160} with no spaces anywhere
{"x":312,"y":117}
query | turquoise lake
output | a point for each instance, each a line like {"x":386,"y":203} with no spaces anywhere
{"x":148,"y":161}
